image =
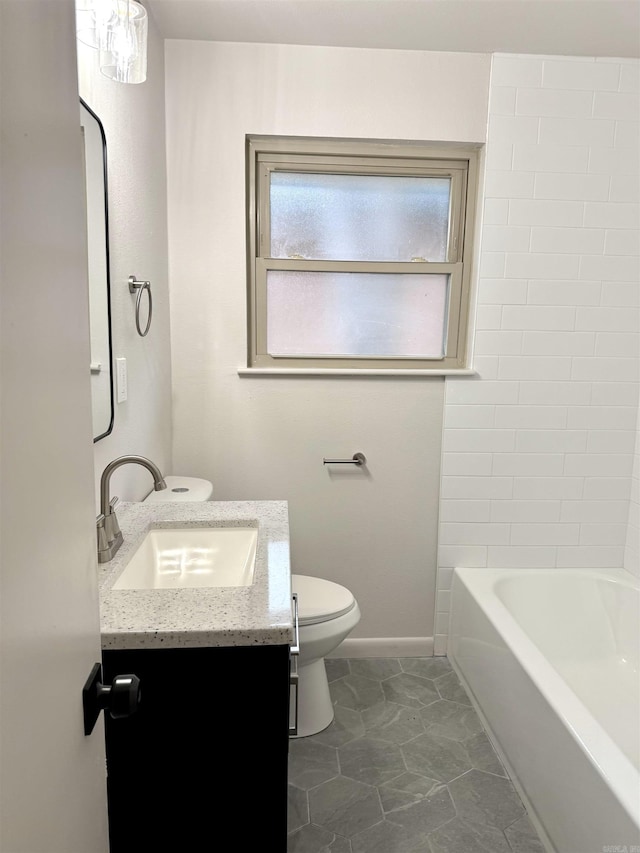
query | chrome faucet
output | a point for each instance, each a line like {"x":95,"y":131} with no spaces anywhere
{"x":109,"y":533}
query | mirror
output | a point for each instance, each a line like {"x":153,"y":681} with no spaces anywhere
{"x":95,"y":169}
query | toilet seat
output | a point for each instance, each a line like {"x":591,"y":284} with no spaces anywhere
{"x":320,"y":600}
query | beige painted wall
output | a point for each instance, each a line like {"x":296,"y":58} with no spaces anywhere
{"x":373,"y":531}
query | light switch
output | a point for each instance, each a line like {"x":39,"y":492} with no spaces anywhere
{"x":121,"y":379}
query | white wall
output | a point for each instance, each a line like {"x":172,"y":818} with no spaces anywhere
{"x":538,"y":450}
{"x":265,"y":438}
{"x":134,"y":124}
{"x":52,"y":777}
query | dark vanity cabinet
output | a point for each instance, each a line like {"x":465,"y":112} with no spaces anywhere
{"x":202,"y":764}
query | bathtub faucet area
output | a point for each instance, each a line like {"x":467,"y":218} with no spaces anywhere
{"x":108,"y":529}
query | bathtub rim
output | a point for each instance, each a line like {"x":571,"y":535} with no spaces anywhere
{"x":604,"y":754}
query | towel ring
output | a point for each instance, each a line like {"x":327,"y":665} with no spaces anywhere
{"x":141,"y":286}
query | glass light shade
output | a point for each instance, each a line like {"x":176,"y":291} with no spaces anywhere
{"x":125,"y":57}
{"x":94,"y":19}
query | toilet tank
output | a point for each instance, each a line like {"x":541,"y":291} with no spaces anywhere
{"x":181,"y":489}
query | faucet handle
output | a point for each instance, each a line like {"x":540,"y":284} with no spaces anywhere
{"x":111,"y":525}
{"x":103,"y":544}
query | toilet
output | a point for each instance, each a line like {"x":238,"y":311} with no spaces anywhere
{"x":182,"y":489}
{"x":327,"y":613}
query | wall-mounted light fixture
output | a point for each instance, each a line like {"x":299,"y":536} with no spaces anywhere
{"x":118,"y":30}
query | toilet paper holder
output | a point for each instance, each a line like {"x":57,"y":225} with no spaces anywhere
{"x":356,"y":459}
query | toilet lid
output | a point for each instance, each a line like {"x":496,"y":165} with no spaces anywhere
{"x":320,"y":600}
{"x":181,"y":489}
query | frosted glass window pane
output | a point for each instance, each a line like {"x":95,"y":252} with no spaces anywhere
{"x":363,"y":314}
{"x":359,"y":217}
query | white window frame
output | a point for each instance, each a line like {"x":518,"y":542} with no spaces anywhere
{"x":458,"y":162}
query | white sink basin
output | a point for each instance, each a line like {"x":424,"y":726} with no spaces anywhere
{"x":192,"y":557}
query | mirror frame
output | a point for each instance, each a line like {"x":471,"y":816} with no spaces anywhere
{"x":107,"y":268}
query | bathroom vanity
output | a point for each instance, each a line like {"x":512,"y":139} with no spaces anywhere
{"x":204,"y":758}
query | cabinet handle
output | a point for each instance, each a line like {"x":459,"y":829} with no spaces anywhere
{"x":295,"y":648}
{"x":294,"y":678}
{"x":294,"y":682}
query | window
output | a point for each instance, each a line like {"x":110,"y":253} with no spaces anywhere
{"x":359,"y":254}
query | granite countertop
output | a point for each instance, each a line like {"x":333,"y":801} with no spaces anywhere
{"x":259,"y":614}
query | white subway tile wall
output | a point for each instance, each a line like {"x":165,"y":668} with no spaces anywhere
{"x":632,"y":543}
{"x":540,"y":465}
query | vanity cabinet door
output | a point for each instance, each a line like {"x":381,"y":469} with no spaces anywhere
{"x":205,"y":756}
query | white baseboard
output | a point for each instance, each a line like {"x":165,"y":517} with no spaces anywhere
{"x":384,"y":647}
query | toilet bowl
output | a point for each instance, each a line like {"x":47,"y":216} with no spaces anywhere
{"x":182,"y":489}
{"x":327,"y":613}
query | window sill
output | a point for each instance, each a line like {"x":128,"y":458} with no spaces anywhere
{"x":320,"y":371}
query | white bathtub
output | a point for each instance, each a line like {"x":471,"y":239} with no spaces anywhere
{"x":550,"y":658}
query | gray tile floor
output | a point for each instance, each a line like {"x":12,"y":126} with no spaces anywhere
{"x":405,"y":767}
